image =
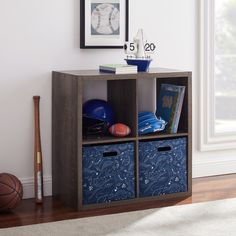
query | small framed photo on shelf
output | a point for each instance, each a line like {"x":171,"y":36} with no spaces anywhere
{"x":103,"y":23}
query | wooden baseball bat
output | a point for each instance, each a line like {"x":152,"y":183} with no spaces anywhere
{"x":38,"y":164}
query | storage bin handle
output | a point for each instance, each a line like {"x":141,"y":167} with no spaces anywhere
{"x":110,"y":154}
{"x":164,"y":149}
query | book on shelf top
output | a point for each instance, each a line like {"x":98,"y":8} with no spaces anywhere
{"x":118,"y":68}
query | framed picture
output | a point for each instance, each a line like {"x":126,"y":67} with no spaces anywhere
{"x":103,"y":23}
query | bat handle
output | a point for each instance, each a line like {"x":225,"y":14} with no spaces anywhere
{"x":37,"y":123}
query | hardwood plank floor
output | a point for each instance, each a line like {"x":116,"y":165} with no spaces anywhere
{"x":204,"y":189}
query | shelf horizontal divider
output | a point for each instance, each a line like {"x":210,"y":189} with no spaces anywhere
{"x":110,"y":139}
{"x":161,"y":135}
{"x":107,"y":139}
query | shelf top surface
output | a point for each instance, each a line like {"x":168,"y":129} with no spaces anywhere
{"x":153,"y":73}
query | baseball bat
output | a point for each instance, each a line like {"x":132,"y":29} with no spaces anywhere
{"x":38,"y":163}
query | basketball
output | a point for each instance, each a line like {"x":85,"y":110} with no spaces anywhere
{"x":11,"y":192}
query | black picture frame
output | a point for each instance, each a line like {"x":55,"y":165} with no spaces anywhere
{"x":87,"y":40}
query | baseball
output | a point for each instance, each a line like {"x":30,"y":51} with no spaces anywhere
{"x":105,"y":19}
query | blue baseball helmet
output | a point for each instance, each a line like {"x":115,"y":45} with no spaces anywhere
{"x":149,"y":123}
{"x":99,"y":110}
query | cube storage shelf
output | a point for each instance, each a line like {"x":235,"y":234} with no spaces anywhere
{"x":95,"y":172}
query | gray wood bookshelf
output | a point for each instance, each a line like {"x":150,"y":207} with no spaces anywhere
{"x":68,"y":140}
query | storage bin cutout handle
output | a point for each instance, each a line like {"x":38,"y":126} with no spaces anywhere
{"x":164,"y":149}
{"x":110,"y":154}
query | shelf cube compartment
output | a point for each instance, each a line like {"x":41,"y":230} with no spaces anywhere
{"x":108,"y":173}
{"x":121,"y":94}
{"x":163,"y":167}
{"x":183,"y":125}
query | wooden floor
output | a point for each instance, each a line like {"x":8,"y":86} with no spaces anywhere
{"x":204,"y":189}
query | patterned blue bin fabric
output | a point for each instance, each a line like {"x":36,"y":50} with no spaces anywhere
{"x":108,"y":173}
{"x":163,"y":167}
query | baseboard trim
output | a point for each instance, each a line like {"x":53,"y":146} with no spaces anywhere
{"x":212,"y":168}
{"x":28,"y":186}
{"x":200,"y":169}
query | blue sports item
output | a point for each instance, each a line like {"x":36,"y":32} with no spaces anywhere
{"x":99,"y":110}
{"x":149,"y":123}
{"x":94,"y":127}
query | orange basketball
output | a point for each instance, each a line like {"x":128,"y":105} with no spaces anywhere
{"x":11,"y":192}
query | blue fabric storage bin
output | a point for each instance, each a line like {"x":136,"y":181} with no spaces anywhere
{"x":163,"y":167}
{"x":108,"y":173}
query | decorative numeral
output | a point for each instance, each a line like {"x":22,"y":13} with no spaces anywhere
{"x":132,"y":47}
{"x":149,"y":47}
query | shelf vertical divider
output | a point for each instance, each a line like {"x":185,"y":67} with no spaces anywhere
{"x":189,"y":106}
{"x":122,"y":95}
{"x":137,"y":145}
{"x":65,"y":138}
{"x":79,"y":144}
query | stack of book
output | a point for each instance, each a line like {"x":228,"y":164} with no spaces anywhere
{"x":169,"y":105}
{"x":118,"y":68}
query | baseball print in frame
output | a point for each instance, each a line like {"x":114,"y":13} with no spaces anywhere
{"x":103,"y":23}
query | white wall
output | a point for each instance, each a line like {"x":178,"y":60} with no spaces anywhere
{"x":37,"y":37}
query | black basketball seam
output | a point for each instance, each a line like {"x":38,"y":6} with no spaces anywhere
{"x":7,"y":185}
{"x":10,"y":177}
{"x":11,"y":188}
{"x":3,"y":194}
{"x":9,"y":203}
{"x":13,"y":180}
{"x":6,"y":207}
